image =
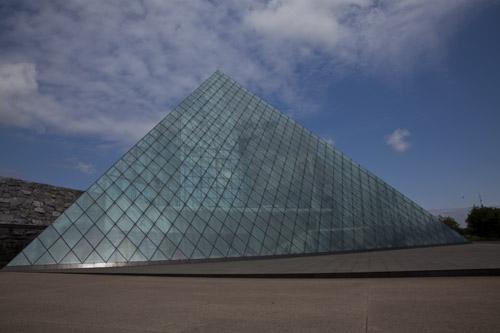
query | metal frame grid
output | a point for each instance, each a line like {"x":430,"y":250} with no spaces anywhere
{"x":226,"y":175}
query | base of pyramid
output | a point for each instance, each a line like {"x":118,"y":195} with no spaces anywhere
{"x":379,"y":262}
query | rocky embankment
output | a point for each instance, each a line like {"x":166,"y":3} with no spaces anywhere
{"x":26,"y":208}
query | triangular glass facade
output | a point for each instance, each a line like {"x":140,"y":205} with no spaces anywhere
{"x":227,"y":175}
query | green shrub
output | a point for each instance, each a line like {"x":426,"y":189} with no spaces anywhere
{"x":484,"y":222}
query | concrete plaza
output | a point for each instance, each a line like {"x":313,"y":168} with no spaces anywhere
{"x":48,"y":302}
{"x":152,"y":298}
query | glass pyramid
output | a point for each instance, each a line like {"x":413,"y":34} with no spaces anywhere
{"x":227,"y":175}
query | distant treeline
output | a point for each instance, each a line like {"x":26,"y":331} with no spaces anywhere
{"x":483,"y":223}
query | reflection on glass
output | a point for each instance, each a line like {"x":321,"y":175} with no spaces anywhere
{"x":225,"y":175}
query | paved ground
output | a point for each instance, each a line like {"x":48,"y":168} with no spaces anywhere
{"x":47,"y":302}
{"x":455,"y":257}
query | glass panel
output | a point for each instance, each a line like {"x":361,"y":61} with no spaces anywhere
{"x":155,"y":235}
{"x":144,"y":224}
{"x":94,"y":236}
{"x":186,"y":247}
{"x":123,"y":202}
{"x":136,"y":235}
{"x":147,"y":248}
{"x":34,"y":250}
{"x":19,"y":260}
{"x":116,"y":257}
{"x":134,"y":213}
{"x":93,"y":258}
{"x":48,"y":236}
{"x":73,"y":212}
{"x":105,"y":249}
{"x":84,"y":223}
{"x":167,"y":247}
{"x":125,"y":223}
{"x":59,"y":250}
{"x":45,"y":259}
{"x":114,"y":212}
{"x":139,"y":257}
{"x":72,"y":236}
{"x":226,"y":174}
{"x":70,"y":259}
{"x":62,"y":224}
{"x":126,"y":248}
{"x":115,"y":236}
{"x":84,"y":201}
{"x":104,"y":223}
{"x":82,"y":249}
{"x":163,"y":224}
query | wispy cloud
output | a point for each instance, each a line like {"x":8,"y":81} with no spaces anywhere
{"x":111,"y":70}
{"x":75,"y":163}
{"x":398,"y":140}
{"x":17,"y":79}
{"x":330,"y":141}
{"x":85,"y":168}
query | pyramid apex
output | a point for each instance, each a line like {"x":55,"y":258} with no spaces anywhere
{"x":218,"y":72}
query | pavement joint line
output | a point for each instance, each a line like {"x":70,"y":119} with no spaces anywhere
{"x":308,"y":275}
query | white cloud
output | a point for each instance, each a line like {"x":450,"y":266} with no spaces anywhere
{"x":85,"y":168}
{"x":75,"y":163}
{"x":111,"y":70}
{"x":23,"y":105}
{"x":398,"y":140}
{"x":309,"y":23}
{"x":330,"y":141}
{"x":17,"y":79}
{"x":387,"y":35}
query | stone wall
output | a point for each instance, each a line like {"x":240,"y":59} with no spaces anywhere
{"x":23,"y":202}
{"x":26,"y":208}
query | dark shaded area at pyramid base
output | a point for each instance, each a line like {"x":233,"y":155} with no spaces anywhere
{"x":89,"y":267}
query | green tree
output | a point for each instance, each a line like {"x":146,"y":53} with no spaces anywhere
{"x":484,"y":222}
{"x":451,"y":222}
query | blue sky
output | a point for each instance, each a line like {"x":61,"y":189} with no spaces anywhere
{"x":410,"y":89}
